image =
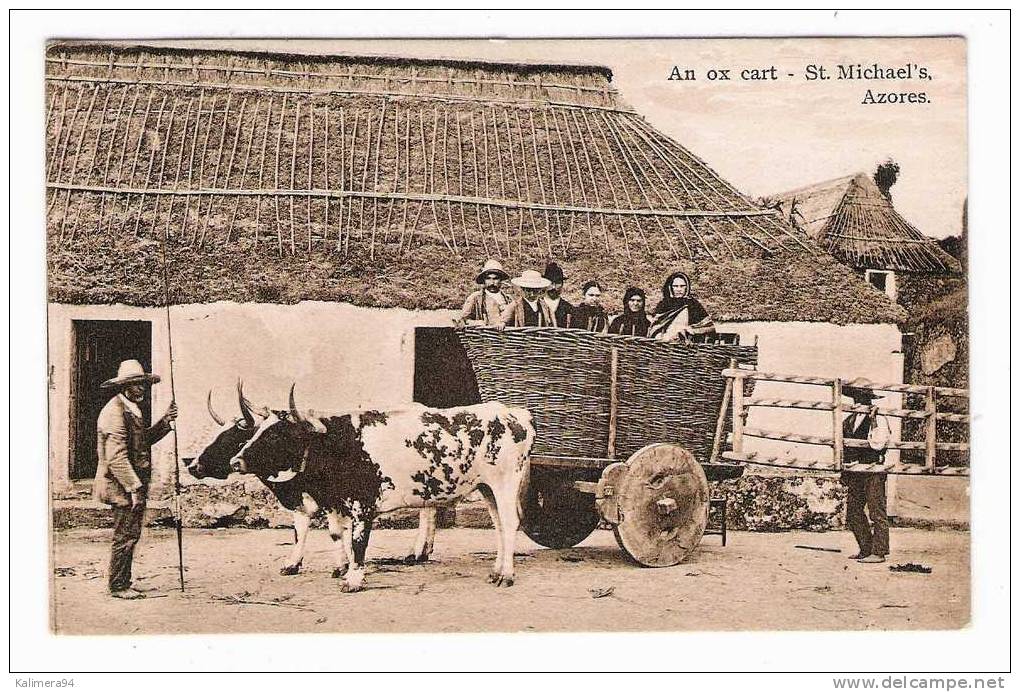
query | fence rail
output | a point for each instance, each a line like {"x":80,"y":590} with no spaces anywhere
{"x":828,"y":382}
{"x":930,"y":415}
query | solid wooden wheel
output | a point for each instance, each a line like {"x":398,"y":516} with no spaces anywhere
{"x":663,"y":505}
{"x":557,"y":515}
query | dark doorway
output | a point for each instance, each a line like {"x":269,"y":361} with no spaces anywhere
{"x":442,"y":372}
{"x":99,"y":348}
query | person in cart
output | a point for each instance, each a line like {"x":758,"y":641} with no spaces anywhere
{"x":679,"y":316}
{"x":590,"y":315}
{"x":484,"y":306}
{"x":865,"y":490}
{"x":633,"y":321}
{"x":559,"y":306}
{"x":528,"y":310}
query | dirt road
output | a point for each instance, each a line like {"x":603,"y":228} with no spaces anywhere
{"x":759,"y":581}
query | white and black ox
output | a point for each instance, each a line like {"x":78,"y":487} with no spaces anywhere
{"x":214,"y":462}
{"x":356,"y":466}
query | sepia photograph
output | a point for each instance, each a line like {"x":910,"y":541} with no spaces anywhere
{"x":502,"y":320}
{"x":662,"y":335}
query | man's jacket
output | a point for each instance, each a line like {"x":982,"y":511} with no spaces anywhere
{"x":520,"y":314}
{"x":482,"y":307}
{"x":125,"y":458}
{"x":562,"y":314}
{"x":857,"y":427}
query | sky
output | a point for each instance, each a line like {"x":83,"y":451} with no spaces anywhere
{"x":765,"y":137}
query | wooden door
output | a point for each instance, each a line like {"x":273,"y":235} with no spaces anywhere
{"x":99,"y":348}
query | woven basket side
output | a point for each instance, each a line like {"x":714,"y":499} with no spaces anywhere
{"x":667,"y":392}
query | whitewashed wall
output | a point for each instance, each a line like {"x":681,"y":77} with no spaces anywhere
{"x":340,"y":356}
{"x":871,"y":351}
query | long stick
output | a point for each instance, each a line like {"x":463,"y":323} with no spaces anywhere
{"x":720,"y":423}
{"x":173,"y":397}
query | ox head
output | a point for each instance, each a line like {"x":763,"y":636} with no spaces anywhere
{"x":214,"y":459}
{"x":278,"y":448}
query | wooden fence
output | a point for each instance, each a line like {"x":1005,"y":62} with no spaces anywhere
{"x":741,"y":403}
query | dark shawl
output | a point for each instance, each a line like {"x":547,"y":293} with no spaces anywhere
{"x":563,"y":312}
{"x":669,"y":308}
{"x":593,"y":319}
{"x":631,"y":323}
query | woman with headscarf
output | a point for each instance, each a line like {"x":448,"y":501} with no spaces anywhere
{"x":590,"y":315}
{"x":633,"y":321}
{"x":678,"y":315}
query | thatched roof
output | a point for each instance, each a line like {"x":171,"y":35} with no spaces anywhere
{"x":386,"y":181}
{"x":857,"y":223}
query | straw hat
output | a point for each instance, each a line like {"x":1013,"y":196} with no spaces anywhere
{"x":130,"y":372}
{"x":530,"y":278}
{"x":491,"y":267}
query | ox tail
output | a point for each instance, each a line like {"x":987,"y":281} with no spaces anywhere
{"x":523,"y":492}
{"x":525,"y":418}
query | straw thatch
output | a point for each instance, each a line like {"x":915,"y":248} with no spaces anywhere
{"x":853,"y":220}
{"x":385,"y":181}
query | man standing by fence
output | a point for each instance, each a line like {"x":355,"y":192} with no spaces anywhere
{"x":865,"y":489}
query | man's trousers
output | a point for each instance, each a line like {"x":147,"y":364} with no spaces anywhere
{"x":867,"y":490}
{"x":127,"y":529}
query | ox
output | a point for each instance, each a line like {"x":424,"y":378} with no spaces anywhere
{"x":214,"y":462}
{"x":357,"y":466}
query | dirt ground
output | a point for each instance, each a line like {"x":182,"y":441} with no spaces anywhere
{"x":758,"y":581}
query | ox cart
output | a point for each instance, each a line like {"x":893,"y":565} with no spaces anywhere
{"x":628,"y":432}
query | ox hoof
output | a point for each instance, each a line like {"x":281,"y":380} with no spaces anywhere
{"x":410,"y":559}
{"x":339,"y":572}
{"x":349,"y":588}
{"x":494,"y":577}
{"x":290,"y":570}
{"x":504,"y":581}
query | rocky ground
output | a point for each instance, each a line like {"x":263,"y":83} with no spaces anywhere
{"x":758,"y":581}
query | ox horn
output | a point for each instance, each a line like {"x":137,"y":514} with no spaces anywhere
{"x":310,"y":420}
{"x":244,"y":404}
{"x":208,"y":402}
{"x":249,"y":409}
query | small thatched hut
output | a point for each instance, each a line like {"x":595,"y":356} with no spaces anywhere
{"x":318,"y":211}
{"x":856,"y":222}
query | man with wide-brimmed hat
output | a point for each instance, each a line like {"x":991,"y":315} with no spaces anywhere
{"x":865,"y":489}
{"x":559,"y":306}
{"x":483,"y":307}
{"x":529,"y":310}
{"x":125,"y":466}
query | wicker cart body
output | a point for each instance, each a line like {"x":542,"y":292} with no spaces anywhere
{"x":626,"y":428}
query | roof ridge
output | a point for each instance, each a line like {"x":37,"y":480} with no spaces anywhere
{"x":817,"y":187}
{"x":156,"y":46}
